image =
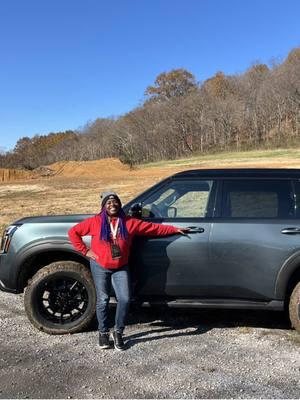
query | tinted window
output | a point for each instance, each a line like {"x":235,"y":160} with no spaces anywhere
{"x":179,"y":199}
{"x":257,"y":199}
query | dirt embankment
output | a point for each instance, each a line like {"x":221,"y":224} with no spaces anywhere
{"x":10,"y":175}
{"x":97,"y":168}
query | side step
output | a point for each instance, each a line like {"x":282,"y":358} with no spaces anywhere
{"x":275,"y":305}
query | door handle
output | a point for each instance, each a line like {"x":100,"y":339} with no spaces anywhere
{"x":291,"y":231}
{"x":195,"y":229}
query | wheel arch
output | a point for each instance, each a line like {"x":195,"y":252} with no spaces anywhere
{"x":288,"y":277}
{"x":36,"y":260}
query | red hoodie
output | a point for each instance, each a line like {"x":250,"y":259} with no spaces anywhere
{"x":91,"y":227}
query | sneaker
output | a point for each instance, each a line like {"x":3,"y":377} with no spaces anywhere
{"x":118,"y":340}
{"x":104,"y":340}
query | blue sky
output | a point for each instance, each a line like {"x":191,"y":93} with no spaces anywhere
{"x":64,"y":63}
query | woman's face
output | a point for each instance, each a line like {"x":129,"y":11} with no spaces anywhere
{"x":112,"y":207}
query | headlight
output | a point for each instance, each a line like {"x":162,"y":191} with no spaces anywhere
{"x":6,"y":238}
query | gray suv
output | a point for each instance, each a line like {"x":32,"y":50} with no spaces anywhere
{"x":243,"y":250}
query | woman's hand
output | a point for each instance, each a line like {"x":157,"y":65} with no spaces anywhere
{"x":91,"y":254}
{"x":183,"y":231}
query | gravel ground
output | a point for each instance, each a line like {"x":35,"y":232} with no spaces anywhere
{"x":171,"y":354}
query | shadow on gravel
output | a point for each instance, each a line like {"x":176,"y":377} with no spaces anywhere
{"x":163,"y":322}
{"x":169,"y":333}
{"x":210,"y":319}
{"x":160,"y":327}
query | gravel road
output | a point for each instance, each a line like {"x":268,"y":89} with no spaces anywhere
{"x":171,"y":354}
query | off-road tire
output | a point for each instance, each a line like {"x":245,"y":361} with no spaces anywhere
{"x":53,"y":274}
{"x":294,"y":307}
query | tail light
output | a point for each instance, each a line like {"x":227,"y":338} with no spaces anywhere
{"x":6,"y":238}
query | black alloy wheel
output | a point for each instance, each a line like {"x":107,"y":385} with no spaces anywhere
{"x":62,"y":300}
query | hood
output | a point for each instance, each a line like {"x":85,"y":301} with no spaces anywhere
{"x":52,"y":219}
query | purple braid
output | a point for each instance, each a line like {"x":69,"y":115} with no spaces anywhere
{"x":105,"y":227}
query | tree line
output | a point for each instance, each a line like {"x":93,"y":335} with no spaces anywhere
{"x":180,"y":117}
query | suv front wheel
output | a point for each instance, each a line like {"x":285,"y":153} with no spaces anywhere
{"x":294,"y":308}
{"x":61,"y":298}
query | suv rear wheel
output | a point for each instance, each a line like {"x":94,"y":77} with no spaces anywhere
{"x":61,"y":298}
{"x":294,"y":307}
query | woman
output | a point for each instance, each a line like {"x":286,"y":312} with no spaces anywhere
{"x":112,"y":232}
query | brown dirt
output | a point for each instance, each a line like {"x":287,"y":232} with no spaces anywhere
{"x":89,"y":168}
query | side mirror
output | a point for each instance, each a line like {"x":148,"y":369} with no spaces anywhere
{"x":135,"y":211}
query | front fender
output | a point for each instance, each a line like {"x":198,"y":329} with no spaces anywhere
{"x":23,"y":259}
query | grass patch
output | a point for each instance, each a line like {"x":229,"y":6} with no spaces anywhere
{"x":227,"y":156}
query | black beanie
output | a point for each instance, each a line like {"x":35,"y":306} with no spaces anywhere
{"x":109,"y":195}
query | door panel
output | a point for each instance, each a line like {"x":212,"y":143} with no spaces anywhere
{"x":247,"y":247}
{"x":171,"y":266}
{"x":245,"y":257}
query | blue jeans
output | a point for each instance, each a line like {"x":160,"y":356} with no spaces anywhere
{"x":103,"y":280}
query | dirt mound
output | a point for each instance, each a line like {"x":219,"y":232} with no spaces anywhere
{"x":10,"y":175}
{"x":97,"y":168}
{"x":104,"y":167}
